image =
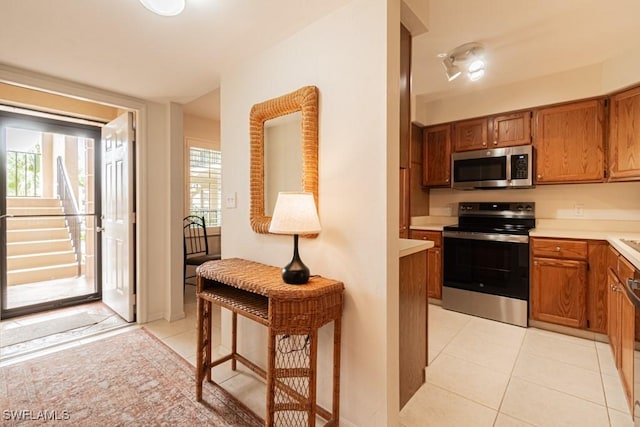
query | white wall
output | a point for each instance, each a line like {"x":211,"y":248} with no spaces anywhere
{"x":345,"y":55}
{"x":202,"y":129}
{"x":576,"y":202}
{"x":575,"y":84}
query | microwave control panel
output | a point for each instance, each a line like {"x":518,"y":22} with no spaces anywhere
{"x":520,"y":166}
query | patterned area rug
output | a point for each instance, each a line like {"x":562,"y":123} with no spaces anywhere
{"x":130,"y":379}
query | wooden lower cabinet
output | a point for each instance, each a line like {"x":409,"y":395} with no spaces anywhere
{"x":627,"y":339}
{"x":621,"y":322}
{"x":621,"y":333}
{"x":559,"y":291}
{"x":434,"y":269}
{"x":434,"y":261}
{"x":613,"y":320}
{"x":569,"y":282}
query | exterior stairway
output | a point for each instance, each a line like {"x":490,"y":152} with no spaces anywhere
{"x":38,"y":248}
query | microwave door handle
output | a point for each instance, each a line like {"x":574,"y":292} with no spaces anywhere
{"x":507,"y":158}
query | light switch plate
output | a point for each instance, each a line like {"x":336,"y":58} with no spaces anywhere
{"x":230,"y":201}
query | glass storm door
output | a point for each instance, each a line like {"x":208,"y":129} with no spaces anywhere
{"x":49,"y":200}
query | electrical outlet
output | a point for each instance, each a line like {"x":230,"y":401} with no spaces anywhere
{"x":230,"y":201}
{"x":578,"y":209}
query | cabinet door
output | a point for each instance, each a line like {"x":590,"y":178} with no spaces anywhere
{"x":559,"y":289}
{"x":511,"y":129}
{"x":597,"y":288}
{"x":627,"y":328}
{"x":434,"y":273}
{"x":436,"y":157}
{"x":613,"y":315}
{"x":470,"y":135}
{"x":569,"y":142}
{"x":624,"y":136}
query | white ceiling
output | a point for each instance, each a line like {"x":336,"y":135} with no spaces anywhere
{"x":120,"y":46}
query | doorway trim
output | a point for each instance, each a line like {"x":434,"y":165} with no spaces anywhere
{"x":35,"y":81}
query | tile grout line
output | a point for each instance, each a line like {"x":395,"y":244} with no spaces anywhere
{"x":499,"y":411}
{"x":606,"y":403}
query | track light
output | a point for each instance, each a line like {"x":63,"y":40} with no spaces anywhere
{"x":452,"y":70}
{"x":469,"y":54}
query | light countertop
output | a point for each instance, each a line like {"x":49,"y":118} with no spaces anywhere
{"x":409,"y":246}
{"x":432,"y":223}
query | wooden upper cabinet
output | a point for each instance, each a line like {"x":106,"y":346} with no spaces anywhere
{"x":436,"y":156}
{"x":624,"y":136}
{"x":569,"y":143}
{"x":511,"y":129}
{"x":470,"y":135}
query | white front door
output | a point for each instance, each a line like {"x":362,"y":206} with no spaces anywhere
{"x":118,"y":218}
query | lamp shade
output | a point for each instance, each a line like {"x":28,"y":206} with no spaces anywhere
{"x":295,"y":213}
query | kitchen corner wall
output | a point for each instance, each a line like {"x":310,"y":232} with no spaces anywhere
{"x":605,"y":201}
{"x":346,"y":55}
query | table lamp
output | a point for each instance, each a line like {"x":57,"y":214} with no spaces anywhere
{"x":295,"y":213}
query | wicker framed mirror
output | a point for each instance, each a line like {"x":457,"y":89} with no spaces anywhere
{"x":305,"y":101}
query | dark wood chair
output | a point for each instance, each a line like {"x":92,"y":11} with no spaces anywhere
{"x":196,"y":244}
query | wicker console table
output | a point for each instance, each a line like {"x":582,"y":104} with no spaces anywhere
{"x":292,"y":314}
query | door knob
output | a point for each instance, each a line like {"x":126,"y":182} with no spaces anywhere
{"x":99,"y":229}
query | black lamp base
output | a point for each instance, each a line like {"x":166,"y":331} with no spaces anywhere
{"x":295,"y":273}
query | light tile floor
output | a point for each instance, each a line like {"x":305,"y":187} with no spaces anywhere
{"x":486,"y":373}
{"x":181,"y":337}
{"x":481,"y":373}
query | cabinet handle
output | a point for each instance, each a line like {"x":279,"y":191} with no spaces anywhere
{"x":446,"y":180}
{"x":484,"y":144}
{"x":495,"y":142}
{"x":539,"y":176}
{"x":557,"y":248}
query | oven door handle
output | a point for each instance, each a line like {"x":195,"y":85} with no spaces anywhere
{"x":632,"y":285}
{"x":493,"y":237}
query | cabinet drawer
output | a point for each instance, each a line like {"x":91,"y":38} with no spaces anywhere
{"x":557,"y":248}
{"x":434,"y":236}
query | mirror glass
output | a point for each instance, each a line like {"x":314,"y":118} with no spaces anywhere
{"x":284,"y":151}
{"x":282,"y":157}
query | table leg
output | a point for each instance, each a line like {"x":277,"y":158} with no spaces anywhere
{"x":313,"y":362}
{"x":234,"y":339}
{"x":207,"y":337}
{"x":271,"y":366}
{"x":337,"y":330}
{"x":200,"y":345}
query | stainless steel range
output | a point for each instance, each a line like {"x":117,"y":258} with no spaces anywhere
{"x":486,"y":261}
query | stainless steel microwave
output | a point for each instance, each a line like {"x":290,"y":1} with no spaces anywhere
{"x":509,"y":167}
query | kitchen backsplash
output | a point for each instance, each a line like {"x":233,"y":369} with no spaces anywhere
{"x":608,"y":201}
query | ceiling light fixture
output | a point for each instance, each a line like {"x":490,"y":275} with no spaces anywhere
{"x":164,"y":7}
{"x":469,"y":54}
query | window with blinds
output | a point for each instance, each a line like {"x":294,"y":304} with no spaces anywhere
{"x":205,"y":189}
